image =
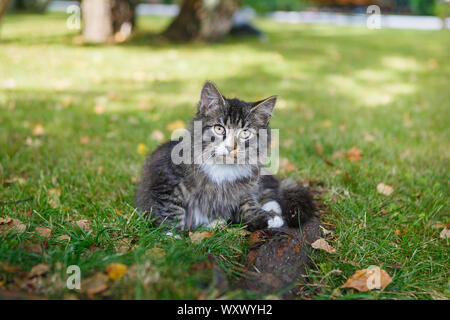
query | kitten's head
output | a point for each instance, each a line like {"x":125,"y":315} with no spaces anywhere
{"x":232,"y":129}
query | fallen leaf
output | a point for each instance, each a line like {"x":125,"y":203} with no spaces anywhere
{"x":63,"y":237}
{"x":445,"y":233}
{"x":385,"y":189}
{"x":354,"y":154}
{"x":83,"y":224}
{"x":38,"y":270}
{"x":55,"y":192}
{"x":322,"y":245}
{"x":156,"y":253}
{"x":319,"y":148}
{"x":257,"y":236}
{"x":43,"y":232}
{"x":368,"y":279}
{"x":123,"y":245}
{"x":142,"y":149}
{"x":197,"y":237}
{"x":369,"y":138}
{"x":116,"y":270}
{"x":400,"y":232}
{"x":99,"y":109}
{"x":38,"y":130}
{"x":5,"y":220}
{"x":325,"y":231}
{"x":286,"y":165}
{"x":178,"y":124}
{"x":95,"y":285}
{"x":11,"y":224}
{"x":337,"y":155}
{"x":85,"y":140}
{"x":157,"y":135}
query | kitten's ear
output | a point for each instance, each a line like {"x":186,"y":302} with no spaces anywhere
{"x":263,"y":110}
{"x":210,"y":97}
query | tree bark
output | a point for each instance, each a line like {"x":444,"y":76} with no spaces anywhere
{"x":107,"y":20}
{"x":3,"y":7}
{"x":204,"y":20}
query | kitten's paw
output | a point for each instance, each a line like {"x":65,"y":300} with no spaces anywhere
{"x":275,"y":222}
{"x":272,"y":206}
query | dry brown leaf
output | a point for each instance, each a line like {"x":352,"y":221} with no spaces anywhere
{"x":123,"y":245}
{"x":38,"y":270}
{"x":54,"y":192}
{"x":322,"y":245}
{"x":116,"y":270}
{"x":38,"y":130}
{"x":43,"y":232}
{"x":286,"y":165}
{"x":368,"y":279}
{"x":95,"y":285}
{"x":85,"y":140}
{"x":445,"y":233}
{"x":385,"y":189}
{"x":337,"y":155}
{"x":11,"y":224}
{"x":63,"y":237}
{"x":178,"y":124}
{"x":325,"y":231}
{"x":84,"y":224}
{"x":354,"y":154}
{"x":156,"y":253}
{"x":5,"y":220}
{"x":319,"y":148}
{"x":197,"y":237}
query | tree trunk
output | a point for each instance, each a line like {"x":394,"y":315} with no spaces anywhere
{"x":204,"y":20}
{"x":107,"y":20}
{"x":3,"y":7}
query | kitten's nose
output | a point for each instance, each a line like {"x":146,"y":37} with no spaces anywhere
{"x":229,"y":148}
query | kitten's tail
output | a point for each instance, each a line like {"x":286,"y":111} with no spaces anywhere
{"x":296,"y":203}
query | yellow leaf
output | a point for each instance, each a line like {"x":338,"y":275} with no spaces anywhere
{"x":142,"y":149}
{"x":178,"y":124}
{"x":116,"y":270}
{"x":368,"y":279}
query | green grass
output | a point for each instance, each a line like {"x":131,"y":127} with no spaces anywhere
{"x":383,"y":91}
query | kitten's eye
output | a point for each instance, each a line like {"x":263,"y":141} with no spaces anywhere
{"x":244,"y":134}
{"x":219,"y":129}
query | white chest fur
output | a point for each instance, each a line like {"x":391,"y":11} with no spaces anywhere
{"x":219,"y":173}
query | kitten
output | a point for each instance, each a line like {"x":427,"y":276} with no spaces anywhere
{"x":224,"y":183}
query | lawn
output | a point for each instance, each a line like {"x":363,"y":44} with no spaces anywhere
{"x":77,"y":121}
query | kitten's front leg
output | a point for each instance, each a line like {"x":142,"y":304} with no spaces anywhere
{"x":257,"y":217}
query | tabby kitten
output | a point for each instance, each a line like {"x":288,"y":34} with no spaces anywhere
{"x":222,"y":183}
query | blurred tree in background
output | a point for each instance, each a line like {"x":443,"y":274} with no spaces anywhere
{"x":205,"y":20}
{"x":108,"y":20}
{"x":3,"y":7}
